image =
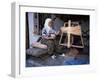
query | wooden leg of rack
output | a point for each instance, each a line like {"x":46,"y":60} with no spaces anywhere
{"x":68,"y":43}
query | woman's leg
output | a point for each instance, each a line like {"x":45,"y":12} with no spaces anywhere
{"x":50,"y":44}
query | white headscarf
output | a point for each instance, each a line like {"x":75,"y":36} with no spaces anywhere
{"x":47,"y":22}
{"x":47,"y":27}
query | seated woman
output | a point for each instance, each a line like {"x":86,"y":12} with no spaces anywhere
{"x":48,"y":35}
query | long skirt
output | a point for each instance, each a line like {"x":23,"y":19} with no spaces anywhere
{"x":50,"y":44}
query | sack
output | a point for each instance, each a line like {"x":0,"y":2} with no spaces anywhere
{"x":37,"y":52}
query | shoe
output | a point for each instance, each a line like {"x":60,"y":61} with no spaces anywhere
{"x":53,"y":56}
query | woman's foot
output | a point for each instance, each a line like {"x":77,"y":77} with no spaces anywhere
{"x":53,"y":56}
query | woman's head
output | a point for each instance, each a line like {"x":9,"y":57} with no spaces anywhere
{"x":48,"y":22}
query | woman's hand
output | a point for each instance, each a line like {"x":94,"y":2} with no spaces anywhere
{"x":58,"y":32}
{"x":51,"y":37}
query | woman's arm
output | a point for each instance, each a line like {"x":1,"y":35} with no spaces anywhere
{"x":58,"y":32}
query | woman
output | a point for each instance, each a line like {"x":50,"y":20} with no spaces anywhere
{"x":48,"y":35}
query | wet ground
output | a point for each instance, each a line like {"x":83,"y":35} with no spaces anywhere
{"x":58,"y":60}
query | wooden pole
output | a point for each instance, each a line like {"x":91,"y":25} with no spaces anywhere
{"x":69,"y":25}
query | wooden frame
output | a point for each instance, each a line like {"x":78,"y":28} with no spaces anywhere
{"x":18,"y":68}
{"x":74,"y":30}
